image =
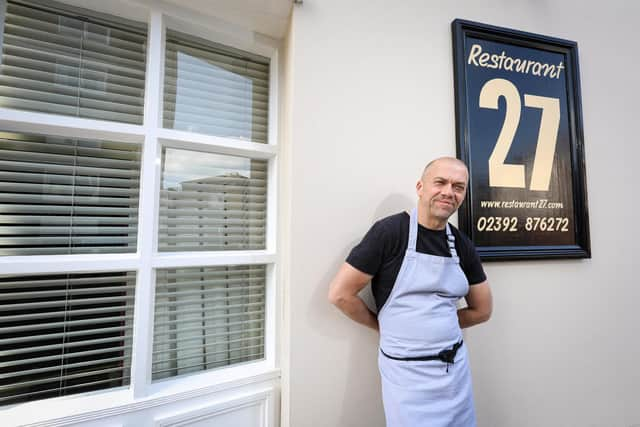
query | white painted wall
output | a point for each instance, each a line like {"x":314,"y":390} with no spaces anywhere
{"x":371,"y":103}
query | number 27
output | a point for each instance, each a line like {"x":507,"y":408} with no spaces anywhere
{"x":509,"y":175}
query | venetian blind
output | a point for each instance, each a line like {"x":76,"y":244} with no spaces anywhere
{"x":60,"y":63}
{"x":64,"y":334}
{"x":63,"y":195}
{"x":211,"y":202}
{"x":207,"y":318}
{"x":215,"y":90}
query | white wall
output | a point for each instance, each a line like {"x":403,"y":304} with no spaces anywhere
{"x":372,"y":102}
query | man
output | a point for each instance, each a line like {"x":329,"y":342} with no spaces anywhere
{"x":419,"y":266}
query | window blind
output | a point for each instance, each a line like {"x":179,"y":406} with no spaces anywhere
{"x":211,"y":202}
{"x":207,"y":318}
{"x":215,"y":90}
{"x":58,"y":63}
{"x":62,"y":195}
{"x":64,"y":334}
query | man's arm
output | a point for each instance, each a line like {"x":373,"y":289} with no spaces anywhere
{"x":343,"y":293}
{"x":479,"y":305}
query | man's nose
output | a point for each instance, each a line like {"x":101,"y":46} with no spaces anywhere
{"x":447,"y":190}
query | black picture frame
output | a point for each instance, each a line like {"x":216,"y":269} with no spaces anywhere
{"x":494,"y":68}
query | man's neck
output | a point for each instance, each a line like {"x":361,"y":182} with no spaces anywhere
{"x":427,"y":221}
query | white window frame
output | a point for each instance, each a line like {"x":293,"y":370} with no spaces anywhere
{"x":142,"y":391}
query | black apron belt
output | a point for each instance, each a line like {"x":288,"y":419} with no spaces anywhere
{"x":446,"y":356}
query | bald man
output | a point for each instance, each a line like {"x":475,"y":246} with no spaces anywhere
{"x":419,"y":266}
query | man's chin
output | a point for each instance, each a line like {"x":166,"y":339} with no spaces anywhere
{"x":443,"y":214}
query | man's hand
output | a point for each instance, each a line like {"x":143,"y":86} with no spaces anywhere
{"x":343,"y":293}
{"x":479,"y":305}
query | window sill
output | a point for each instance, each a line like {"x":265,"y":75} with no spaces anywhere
{"x":92,"y":406}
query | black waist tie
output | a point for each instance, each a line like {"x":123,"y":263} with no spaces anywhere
{"x":446,"y":356}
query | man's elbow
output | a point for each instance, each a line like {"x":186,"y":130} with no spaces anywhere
{"x":336,"y":297}
{"x":485,"y":314}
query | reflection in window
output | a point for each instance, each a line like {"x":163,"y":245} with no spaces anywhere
{"x":67,"y":196}
{"x":211,"y":202}
{"x":64,"y":64}
{"x":214,"y":90}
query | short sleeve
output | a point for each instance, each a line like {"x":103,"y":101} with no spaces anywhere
{"x":470,"y":260}
{"x":368,"y":255}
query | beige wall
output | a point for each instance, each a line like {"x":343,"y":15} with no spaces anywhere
{"x":371,"y":101}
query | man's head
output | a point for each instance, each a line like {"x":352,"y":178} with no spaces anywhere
{"x":441,"y":190}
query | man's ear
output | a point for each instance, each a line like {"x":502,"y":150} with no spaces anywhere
{"x":419,"y":187}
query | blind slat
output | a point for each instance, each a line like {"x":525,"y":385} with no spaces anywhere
{"x":66,"y":200}
{"x":227,"y":283}
{"x":57,"y":368}
{"x":50,"y":168}
{"x":74,"y":87}
{"x":69,"y":323}
{"x":174,"y":341}
{"x":19,"y":340}
{"x":209,"y":53}
{"x":211,"y":364}
{"x":258,"y":314}
{"x":96,"y":249}
{"x":71,"y":159}
{"x":213,"y":303}
{"x":166,"y":277}
{"x":69,"y":389}
{"x":69,"y":47}
{"x":65,"y":377}
{"x":67,"y":189}
{"x":56,"y":314}
{"x":62,"y":292}
{"x":64,"y":346}
{"x":48,"y":304}
{"x":171,"y":332}
{"x":202,"y":347}
{"x":22,"y":55}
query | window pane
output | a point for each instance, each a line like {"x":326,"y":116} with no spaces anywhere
{"x":211,"y":202}
{"x":61,"y":64}
{"x":66,"y":196}
{"x":64,"y":334}
{"x":207,"y":318}
{"x":215,"y":90}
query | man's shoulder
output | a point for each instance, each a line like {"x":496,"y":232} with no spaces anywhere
{"x":393,"y":222}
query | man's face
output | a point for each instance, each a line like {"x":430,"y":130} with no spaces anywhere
{"x":442,"y":188}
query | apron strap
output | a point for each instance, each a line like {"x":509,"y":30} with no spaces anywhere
{"x":451,"y":240}
{"x":413,"y":229}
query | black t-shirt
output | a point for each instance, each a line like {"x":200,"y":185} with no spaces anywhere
{"x":381,"y":252}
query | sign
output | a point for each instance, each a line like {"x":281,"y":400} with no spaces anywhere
{"x":519,"y":130}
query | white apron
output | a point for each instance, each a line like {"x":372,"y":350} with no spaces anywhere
{"x":420,"y":319}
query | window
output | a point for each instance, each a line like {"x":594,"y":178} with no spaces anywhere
{"x":56,"y":63}
{"x":207,"y":318}
{"x":106,"y":225}
{"x":215,"y":90}
{"x":65,"y":195}
{"x":211,"y":202}
{"x":64,"y":334}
